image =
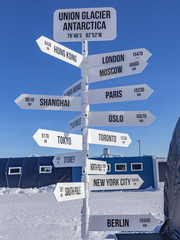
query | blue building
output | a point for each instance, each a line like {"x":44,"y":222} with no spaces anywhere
{"x":39,"y":171}
{"x":31,"y":172}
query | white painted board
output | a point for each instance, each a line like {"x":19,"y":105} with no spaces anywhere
{"x":116,"y":70}
{"x":71,"y":159}
{"x":74,"y":89}
{"x":119,"y":94}
{"x":59,"y":51}
{"x":108,"y":138}
{"x":92,"y":24}
{"x":75,"y":124}
{"x":122,"y":223}
{"x":104,"y":59}
{"x":69,"y":191}
{"x":115,"y":182}
{"x":48,"y":138}
{"x":120,"y":118}
{"x":49,"y":102}
{"x":96,"y":167}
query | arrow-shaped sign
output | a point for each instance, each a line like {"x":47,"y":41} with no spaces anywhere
{"x":47,"y":138}
{"x":69,"y":191}
{"x":48,"y":102}
{"x":96,"y":167}
{"x":119,"y":94}
{"x":74,"y":89}
{"x":59,"y":51}
{"x":115,"y":182}
{"x":72,"y":159}
{"x":75,"y":124}
{"x":100,"y":60}
{"x":108,"y":138}
{"x":120,"y":118}
{"x":122,"y":223}
{"x":116,"y":70}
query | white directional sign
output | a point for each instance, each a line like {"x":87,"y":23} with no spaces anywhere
{"x":69,"y":191}
{"x":119,"y":94}
{"x":59,"y":51}
{"x":115,"y":182}
{"x":48,"y":102}
{"x":96,"y":167}
{"x":120,"y":118}
{"x":116,"y":70}
{"x":75,"y":124}
{"x":100,"y":60}
{"x":72,"y":159}
{"x":108,"y":138}
{"x":122,"y":223}
{"x":74,"y":89}
{"x":93,"y":24}
{"x":47,"y":138}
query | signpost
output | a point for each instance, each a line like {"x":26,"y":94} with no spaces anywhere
{"x":120,"y":118}
{"x":69,"y":191}
{"x":122,"y":223}
{"x":116,"y":70}
{"x":59,"y":51}
{"x":101,"y":60}
{"x":72,"y":159}
{"x":96,"y":167}
{"x":115,"y":182}
{"x":47,"y":138}
{"x":91,"y":24}
{"x":108,"y":138}
{"x":119,"y":94}
{"x":47,"y":102}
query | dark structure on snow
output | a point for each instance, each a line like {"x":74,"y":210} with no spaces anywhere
{"x":40,"y":171}
{"x":171,"y":226}
{"x":31,"y":172}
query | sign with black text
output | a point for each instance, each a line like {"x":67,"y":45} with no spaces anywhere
{"x":92,"y":24}
{"x":120,"y":118}
{"x":75,"y":124}
{"x":59,"y":51}
{"x":96,"y":167}
{"x":74,"y":89}
{"x":108,"y":138}
{"x":116,"y":70}
{"x":48,"y":102}
{"x":122,"y":223}
{"x":119,"y":94}
{"x":100,"y":60}
{"x":115,"y":182}
{"x":72,"y":159}
{"x":69,"y":191}
{"x":48,"y":138}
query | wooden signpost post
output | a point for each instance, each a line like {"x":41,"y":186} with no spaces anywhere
{"x":92,"y":24}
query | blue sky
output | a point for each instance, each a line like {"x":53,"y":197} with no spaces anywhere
{"x":153,"y":25}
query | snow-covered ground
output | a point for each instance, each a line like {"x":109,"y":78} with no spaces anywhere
{"x":34,"y":214}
